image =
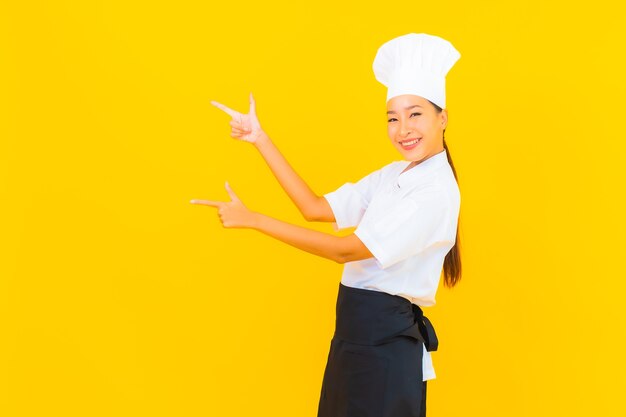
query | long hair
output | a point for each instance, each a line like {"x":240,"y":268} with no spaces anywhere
{"x":452,"y":262}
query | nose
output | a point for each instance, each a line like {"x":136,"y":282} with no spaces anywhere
{"x":404,"y":128}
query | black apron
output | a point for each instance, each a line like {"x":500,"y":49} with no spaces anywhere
{"x":374,"y":366}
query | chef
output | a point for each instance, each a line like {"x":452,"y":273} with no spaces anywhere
{"x":406,"y":213}
{"x":406,"y":219}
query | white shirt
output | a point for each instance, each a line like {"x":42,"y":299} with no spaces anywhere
{"x":408,"y":221}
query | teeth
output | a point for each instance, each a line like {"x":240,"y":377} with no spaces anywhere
{"x":410,"y":143}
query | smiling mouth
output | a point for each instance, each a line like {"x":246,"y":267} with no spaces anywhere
{"x":410,"y":142}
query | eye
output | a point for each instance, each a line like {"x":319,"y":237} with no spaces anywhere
{"x":419,"y":114}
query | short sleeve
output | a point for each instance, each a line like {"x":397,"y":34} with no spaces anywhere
{"x":350,"y":201}
{"x":410,"y":227}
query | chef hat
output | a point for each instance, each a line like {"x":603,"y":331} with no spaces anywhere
{"x":416,"y":63}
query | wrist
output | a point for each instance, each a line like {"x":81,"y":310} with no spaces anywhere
{"x":257,"y":218}
{"x":262,"y":140}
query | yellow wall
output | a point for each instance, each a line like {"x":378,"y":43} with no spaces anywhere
{"x":120,"y":298}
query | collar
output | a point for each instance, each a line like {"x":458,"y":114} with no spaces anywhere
{"x":420,"y":170}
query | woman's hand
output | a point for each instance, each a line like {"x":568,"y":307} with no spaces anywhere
{"x":232,"y":213}
{"x":244,"y":126}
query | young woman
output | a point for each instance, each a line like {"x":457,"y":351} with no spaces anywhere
{"x":406,"y":214}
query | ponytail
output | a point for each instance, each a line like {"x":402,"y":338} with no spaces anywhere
{"x":452,"y":262}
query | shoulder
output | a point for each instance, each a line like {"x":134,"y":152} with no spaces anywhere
{"x":440,"y":188}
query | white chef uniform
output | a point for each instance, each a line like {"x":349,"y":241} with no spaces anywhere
{"x":408,"y":221}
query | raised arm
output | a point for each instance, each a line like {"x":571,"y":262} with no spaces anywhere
{"x":246,"y":127}
{"x":312,"y":206}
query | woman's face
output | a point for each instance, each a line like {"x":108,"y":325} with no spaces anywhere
{"x":413,"y":117}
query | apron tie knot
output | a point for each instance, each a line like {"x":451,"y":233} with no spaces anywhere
{"x":426,"y":329}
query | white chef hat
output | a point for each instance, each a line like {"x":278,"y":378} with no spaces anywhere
{"x":415,"y":63}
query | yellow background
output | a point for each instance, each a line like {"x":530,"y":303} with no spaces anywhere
{"x":120,"y":298}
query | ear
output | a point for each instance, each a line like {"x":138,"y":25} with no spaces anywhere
{"x":444,"y":118}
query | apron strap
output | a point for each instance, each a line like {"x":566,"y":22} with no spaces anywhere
{"x":431,"y":343}
{"x":428,"y":331}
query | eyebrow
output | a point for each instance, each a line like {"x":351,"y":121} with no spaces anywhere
{"x":406,"y":108}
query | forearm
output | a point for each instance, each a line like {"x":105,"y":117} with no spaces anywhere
{"x":312,"y":241}
{"x":298,"y":191}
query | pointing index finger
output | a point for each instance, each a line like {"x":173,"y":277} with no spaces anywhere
{"x":207,"y":202}
{"x":228,"y":110}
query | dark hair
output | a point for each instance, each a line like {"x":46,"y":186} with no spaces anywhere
{"x":452,"y":262}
